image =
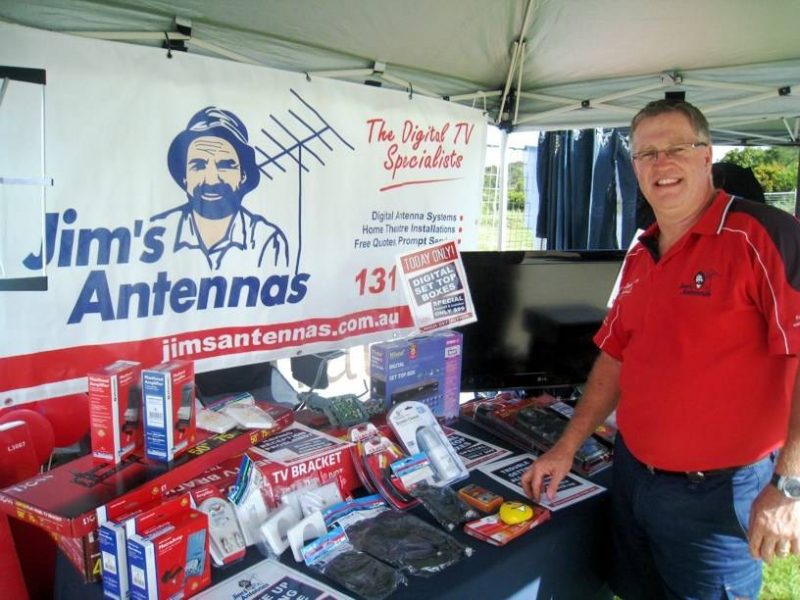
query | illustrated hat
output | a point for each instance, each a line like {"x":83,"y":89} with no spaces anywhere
{"x":215,"y":122}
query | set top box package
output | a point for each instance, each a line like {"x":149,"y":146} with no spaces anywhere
{"x":115,"y":402}
{"x":169,"y":425}
{"x":426,"y":369}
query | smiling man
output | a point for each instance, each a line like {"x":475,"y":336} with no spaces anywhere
{"x":215,"y":165}
{"x":699,"y":358}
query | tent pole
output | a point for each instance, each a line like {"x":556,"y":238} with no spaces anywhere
{"x":797,"y":188}
{"x":502,"y":178}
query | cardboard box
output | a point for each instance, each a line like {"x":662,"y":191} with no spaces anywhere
{"x":426,"y":369}
{"x":64,"y":500}
{"x":169,"y":421}
{"x":115,"y":411}
{"x":117,"y":522}
{"x":114,"y":560}
{"x":169,"y":558}
{"x":298,"y":453}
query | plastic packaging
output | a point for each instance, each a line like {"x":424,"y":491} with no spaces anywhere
{"x":444,"y":505}
{"x":247,"y":497}
{"x":226,"y":538}
{"x":334,"y":556}
{"x":217,"y":422}
{"x":418,"y":431}
{"x":407,"y":542}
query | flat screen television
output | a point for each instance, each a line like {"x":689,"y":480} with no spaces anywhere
{"x":537,"y":313}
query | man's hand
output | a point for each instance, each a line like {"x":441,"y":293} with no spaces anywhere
{"x":554,"y":464}
{"x":774,"y":525}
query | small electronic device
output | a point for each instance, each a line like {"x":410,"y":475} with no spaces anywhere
{"x":480,"y":498}
{"x":186,"y":407}
{"x":513,"y":512}
{"x":131,"y":415}
{"x":342,"y":411}
{"x":227,"y":541}
{"x":440,"y":454}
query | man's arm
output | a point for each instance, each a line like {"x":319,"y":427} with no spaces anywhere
{"x":599,"y":399}
{"x":774,"y":518}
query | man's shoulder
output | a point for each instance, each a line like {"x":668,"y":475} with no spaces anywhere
{"x":757,"y":216}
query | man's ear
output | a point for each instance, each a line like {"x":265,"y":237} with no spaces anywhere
{"x":244,"y":178}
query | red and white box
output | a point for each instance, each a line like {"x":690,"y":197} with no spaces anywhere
{"x":299,"y":453}
{"x":117,"y":521}
{"x":115,"y":411}
{"x":169,"y":422}
{"x":168,"y":555}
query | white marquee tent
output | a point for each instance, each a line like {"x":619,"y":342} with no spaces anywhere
{"x":532,"y":64}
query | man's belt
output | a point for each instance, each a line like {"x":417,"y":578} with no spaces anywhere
{"x":693,"y":476}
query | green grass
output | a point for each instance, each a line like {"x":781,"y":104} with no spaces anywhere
{"x":782,"y":580}
{"x":518,"y":236}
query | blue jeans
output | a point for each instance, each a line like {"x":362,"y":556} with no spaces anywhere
{"x":673,"y":538}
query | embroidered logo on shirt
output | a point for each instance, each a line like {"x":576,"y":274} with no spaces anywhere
{"x":700,"y":284}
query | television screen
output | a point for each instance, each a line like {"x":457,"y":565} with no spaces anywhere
{"x":537,"y":313}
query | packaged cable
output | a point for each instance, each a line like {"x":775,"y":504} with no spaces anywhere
{"x":407,"y":542}
{"x":334,"y":556}
{"x":444,"y":505}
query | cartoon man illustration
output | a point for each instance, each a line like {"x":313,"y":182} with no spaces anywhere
{"x":214,"y":163}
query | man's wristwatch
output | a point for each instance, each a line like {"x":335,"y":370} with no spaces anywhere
{"x":788,"y":486}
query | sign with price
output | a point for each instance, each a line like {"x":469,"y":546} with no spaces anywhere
{"x":436,"y":287}
{"x":222,"y":213}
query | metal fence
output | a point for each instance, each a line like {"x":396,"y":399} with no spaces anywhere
{"x":783,"y":200}
{"x":519,"y":233}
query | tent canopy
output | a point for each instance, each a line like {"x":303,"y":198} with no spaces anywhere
{"x":531,"y":64}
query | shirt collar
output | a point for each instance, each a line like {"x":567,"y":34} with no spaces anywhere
{"x":187,"y":235}
{"x":710,"y":222}
{"x":713,"y":219}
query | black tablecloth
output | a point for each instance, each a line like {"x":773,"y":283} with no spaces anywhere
{"x":564,"y":558}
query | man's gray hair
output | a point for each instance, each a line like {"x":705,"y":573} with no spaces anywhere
{"x":668,"y":105}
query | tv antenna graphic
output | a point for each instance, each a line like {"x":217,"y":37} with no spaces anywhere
{"x":301,"y":140}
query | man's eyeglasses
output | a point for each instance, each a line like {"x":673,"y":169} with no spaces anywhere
{"x":675,"y":151}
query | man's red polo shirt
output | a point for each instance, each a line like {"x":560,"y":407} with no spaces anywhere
{"x":708,"y":336}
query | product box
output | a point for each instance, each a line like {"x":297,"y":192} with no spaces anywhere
{"x":169,"y":423}
{"x":114,"y":560}
{"x":115,"y":409}
{"x":170,"y":559}
{"x":297,"y":453}
{"x":529,"y":423}
{"x":492,"y":530}
{"x":64,"y":500}
{"x":117,"y":521}
{"x":426,"y":369}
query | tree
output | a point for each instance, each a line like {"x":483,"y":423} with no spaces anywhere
{"x":515,"y":185}
{"x":775,"y":168}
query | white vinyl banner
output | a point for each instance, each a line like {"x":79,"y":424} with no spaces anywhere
{"x":218,"y":212}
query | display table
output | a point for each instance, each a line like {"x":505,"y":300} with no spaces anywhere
{"x":566,"y":557}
